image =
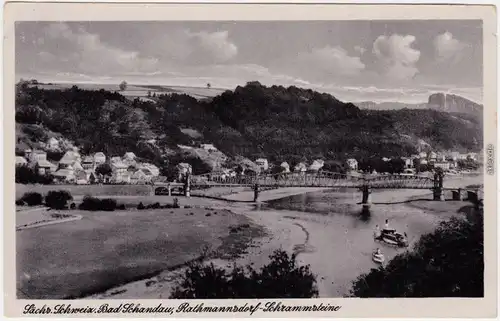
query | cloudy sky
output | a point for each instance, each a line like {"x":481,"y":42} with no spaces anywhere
{"x":354,"y":60}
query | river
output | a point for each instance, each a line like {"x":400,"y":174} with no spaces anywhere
{"x":337,"y":233}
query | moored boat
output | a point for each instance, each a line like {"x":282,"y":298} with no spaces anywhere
{"x":378,"y":257}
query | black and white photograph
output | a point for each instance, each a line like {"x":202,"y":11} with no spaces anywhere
{"x":249,"y":159}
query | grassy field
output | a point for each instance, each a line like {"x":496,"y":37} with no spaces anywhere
{"x":106,"y":249}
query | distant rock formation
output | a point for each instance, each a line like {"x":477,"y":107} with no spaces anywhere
{"x":439,"y":101}
{"x":453,"y":104}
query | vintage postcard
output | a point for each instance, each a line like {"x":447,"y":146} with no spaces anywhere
{"x":244,"y":160}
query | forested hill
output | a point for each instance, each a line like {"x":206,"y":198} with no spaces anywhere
{"x":279,"y":123}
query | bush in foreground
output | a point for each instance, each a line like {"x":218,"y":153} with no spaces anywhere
{"x":95,"y":204}
{"x":32,"y":199}
{"x":58,"y":199}
{"x":281,"y":278}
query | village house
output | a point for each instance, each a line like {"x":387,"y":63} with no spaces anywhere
{"x":53,"y":143}
{"x":352,"y":164}
{"x":155,"y":171}
{"x":120,"y":174}
{"x":37,"y":155}
{"x":44,"y":167}
{"x":115,"y":159}
{"x":21,"y":161}
{"x":88,"y":163}
{"x":300,"y":168}
{"x":262,"y":163}
{"x":432,"y":156}
{"x":65,"y":175}
{"x":443,"y":165}
{"x":81,"y":177}
{"x":285,"y":168}
{"x":408,"y":162}
{"x":99,"y":158}
{"x":422,"y":155}
{"x":129,"y":156}
{"x":141,"y":176}
{"x":183,"y":169}
{"x":69,"y":159}
{"x":316,"y":165}
{"x":454,"y":156}
{"x":385,"y":159}
{"x":28,"y":154}
{"x":209,"y":147}
{"x":472,"y":156}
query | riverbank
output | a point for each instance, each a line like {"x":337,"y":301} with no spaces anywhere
{"x":104,"y":250}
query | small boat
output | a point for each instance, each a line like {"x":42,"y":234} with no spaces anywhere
{"x":391,"y":237}
{"x":378,"y":257}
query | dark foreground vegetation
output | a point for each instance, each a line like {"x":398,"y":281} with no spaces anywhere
{"x":283,"y":124}
{"x":282,"y":277}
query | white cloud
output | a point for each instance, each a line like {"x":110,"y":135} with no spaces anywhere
{"x":447,"y":47}
{"x":360,"y":50}
{"x":326,"y":64}
{"x":396,"y":57}
{"x":90,"y":55}
{"x":216,"y":45}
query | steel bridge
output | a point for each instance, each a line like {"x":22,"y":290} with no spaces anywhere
{"x":316,"y":179}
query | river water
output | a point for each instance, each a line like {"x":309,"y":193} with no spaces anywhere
{"x":337,"y":237}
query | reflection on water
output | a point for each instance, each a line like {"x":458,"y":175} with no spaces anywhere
{"x":365,"y":214}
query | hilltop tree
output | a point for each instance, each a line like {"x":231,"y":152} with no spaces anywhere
{"x":123,"y":85}
{"x":209,"y":86}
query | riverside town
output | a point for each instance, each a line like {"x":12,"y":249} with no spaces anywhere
{"x":248,"y":160}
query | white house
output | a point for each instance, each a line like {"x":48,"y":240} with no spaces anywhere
{"x":99,"y":158}
{"x":209,"y":147}
{"x":38,"y":155}
{"x":443,"y":165}
{"x":141,"y":176}
{"x":300,"y":167}
{"x":53,"y":143}
{"x":285,"y":168}
{"x":21,"y":161}
{"x":155,"y":171}
{"x":316,"y":165}
{"x":44,"y":167}
{"x":66,"y":175}
{"x":352,"y":164}
{"x":88,"y":162}
{"x":433,"y":156}
{"x":422,"y":155}
{"x":81,"y":177}
{"x":129,"y":156}
{"x":262,"y":163}
{"x":69,"y":158}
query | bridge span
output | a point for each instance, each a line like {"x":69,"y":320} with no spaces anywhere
{"x":323,"y":179}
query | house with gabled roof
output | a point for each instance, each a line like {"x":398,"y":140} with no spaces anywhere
{"x":69,"y":158}
{"x":65,"y":175}
{"x":99,"y":158}
{"x":141,"y":176}
{"x":81,"y":177}
{"x":21,"y":161}
{"x":88,"y":162}
{"x":44,"y":167}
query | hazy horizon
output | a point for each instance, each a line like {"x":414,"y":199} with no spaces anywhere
{"x":380,"y":61}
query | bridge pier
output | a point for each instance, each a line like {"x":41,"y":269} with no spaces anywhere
{"x":367,"y":196}
{"x":169,"y":187}
{"x":256,"y":193}
{"x":438,"y":186}
{"x":457,"y":195}
{"x":187,"y":186}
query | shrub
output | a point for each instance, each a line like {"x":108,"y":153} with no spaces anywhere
{"x":94,"y":204}
{"x":58,"y":199}
{"x":72,"y":206}
{"x":108,"y":204}
{"x":27,"y":175}
{"x":32,"y":198}
{"x":20,"y":202}
{"x":121,"y":207}
{"x":176,"y":203}
{"x":155,"y":205}
{"x":140,"y":206}
{"x":281,"y":278}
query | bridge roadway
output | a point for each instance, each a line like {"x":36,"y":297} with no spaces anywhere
{"x":322,"y":179}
